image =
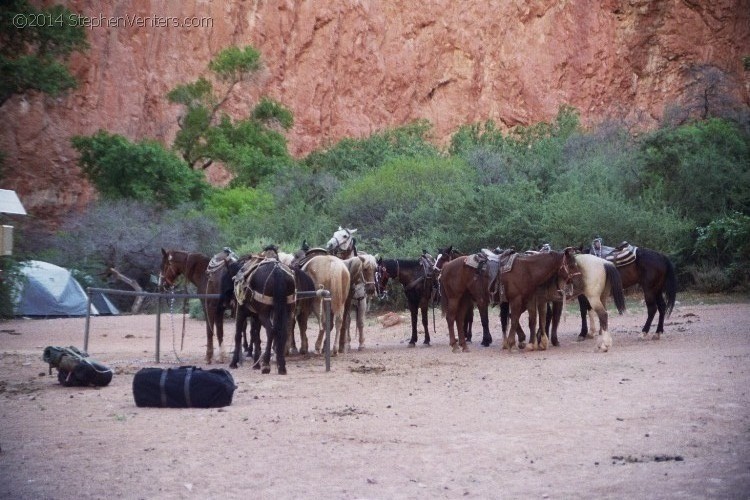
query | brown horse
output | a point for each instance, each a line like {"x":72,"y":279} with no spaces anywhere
{"x":521,"y":282}
{"x":447,"y":254}
{"x":194,"y":266}
{"x":461,"y":287}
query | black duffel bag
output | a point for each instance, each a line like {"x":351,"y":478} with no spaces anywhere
{"x":183,"y":387}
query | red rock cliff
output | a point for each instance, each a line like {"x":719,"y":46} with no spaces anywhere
{"x":348,"y":68}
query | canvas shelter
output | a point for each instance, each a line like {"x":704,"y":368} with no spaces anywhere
{"x":49,"y":290}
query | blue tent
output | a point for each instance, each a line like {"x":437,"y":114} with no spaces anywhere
{"x":50,"y":290}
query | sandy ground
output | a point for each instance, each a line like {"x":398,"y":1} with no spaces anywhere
{"x":650,"y":419}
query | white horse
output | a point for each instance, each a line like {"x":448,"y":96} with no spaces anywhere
{"x":360,"y":299}
{"x":600,"y":279}
{"x":342,"y":244}
{"x":330,"y":273}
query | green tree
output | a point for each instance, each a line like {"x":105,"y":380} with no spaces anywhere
{"x":35,"y":44}
{"x":250,"y":147}
{"x":144,"y":171}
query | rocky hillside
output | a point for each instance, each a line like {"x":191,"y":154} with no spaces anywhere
{"x":348,"y":68}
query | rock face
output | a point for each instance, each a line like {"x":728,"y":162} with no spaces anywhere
{"x":349,"y":68}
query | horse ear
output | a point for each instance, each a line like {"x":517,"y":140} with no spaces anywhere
{"x":341,"y":228}
{"x":163,"y":253}
{"x":352,"y":231}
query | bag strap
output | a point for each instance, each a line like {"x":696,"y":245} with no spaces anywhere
{"x":187,"y":387}
{"x":162,"y":388}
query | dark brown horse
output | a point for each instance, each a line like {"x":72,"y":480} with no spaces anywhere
{"x":266,"y":291}
{"x":194,"y":266}
{"x":521,"y":282}
{"x":655,"y":274}
{"x":416,"y":276}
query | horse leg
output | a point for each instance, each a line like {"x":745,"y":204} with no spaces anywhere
{"x":651,"y":308}
{"x":463,"y":305}
{"x":361,"y":310}
{"x":533,"y":310}
{"x":468,"y":323}
{"x":604,"y":341}
{"x":413,"y":311}
{"x":661,"y":305}
{"x":541,"y":334}
{"x":425,"y":323}
{"x":556,"y":314}
{"x":450,"y":318}
{"x":209,"y":314}
{"x":583,"y":304}
{"x":219,"y":328}
{"x":241,"y":319}
{"x":302,"y":322}
{"x":255,"y":340}
{"x":265,"y":364}
{"x":280,"y":340}
{"x":504,"y":313}
{"x":485,"y":320}
{"x":515,"y":316}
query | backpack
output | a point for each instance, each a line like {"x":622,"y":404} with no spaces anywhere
{"x":75,"y":368}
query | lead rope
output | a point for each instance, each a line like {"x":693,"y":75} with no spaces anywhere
{"x":171,"y":320}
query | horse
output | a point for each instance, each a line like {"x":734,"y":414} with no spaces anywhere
{"x":417,"y":278}
{"x":194,"y":266}
{"x":265,"y":289}
{"x":356,"y":291}
{"x":525,"y":276}
{"x":360,"y":300}
{"x":343,"y":244}
{"x":330,"y":273}
{"x":597,"y":280}
{"x":655,"y":274}
{"x":446,"y":254}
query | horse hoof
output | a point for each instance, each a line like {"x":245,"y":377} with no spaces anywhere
{"x":265,"y":370}
{"x":465,"y":349}
{"x":456,"y":348}
{"x":282,"y":371}
{"x":521,"y":346}
{"x":294,"y":351}
{"x":256,"y":366}
{"x":233,"y":365}
{"x":486,"y":344}
{"x":556,"y":343}
{"x":361,"y":348}
{"x":412,"y":344}
{"x":655,"y":336}
{"x":581,"y":338}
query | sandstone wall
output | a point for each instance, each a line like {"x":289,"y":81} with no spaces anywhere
{"x":351,"y":67}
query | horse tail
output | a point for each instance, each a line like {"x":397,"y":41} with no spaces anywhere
{"x":671,"y":286}
{"x":615,"y":285}
{"x":280,"y":311}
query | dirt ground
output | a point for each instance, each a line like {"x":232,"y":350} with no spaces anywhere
{"x":649,"y":419}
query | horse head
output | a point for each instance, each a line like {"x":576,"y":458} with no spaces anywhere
{"x":369,"y":271}
{"x":341,"y":241}
{"x":443,"y":255}
{"x":569,"y":267}
{"x":170,"y":269}
{"x":381,"y":279}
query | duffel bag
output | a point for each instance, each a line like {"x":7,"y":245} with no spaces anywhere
{"x":183,"y":387}
{"x":75,"y":368}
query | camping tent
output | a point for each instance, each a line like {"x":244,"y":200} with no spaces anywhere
{"x":50,"y":290}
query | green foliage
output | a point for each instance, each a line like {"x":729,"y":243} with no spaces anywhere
{"x":350,"y":157}
{"x":234,"y":64}
{"x":404,"y":197}
{"x":142,"y":171}
{"x":251,"y":148}
{"x":34,"y":46}
{"x":9,"y":276}
{"x":240,"y":212}
{"x":701,"y":168}
{"x":273,"y":113}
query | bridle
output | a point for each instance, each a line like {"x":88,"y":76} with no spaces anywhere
{"x":381,"y":279}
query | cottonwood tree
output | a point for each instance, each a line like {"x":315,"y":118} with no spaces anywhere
{"x":251,"y":147}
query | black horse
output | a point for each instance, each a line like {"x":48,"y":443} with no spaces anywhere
{"x":417,"y":278}
{"x":269,"y":297}
{"x":655,"y":274}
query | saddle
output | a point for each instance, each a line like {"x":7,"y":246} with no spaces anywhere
{"x":242,"y":278}
{"x":622,"y":255}
{"x":220,"y":260}
{"x":428,"y":266}
{"x":300,"y":262}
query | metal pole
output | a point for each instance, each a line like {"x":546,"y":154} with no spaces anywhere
{"x":158,"y":326}
{"x":327,"y":313}
{"x":88,"y":322}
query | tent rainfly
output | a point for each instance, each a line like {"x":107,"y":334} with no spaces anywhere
{"x":49,"y":290}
